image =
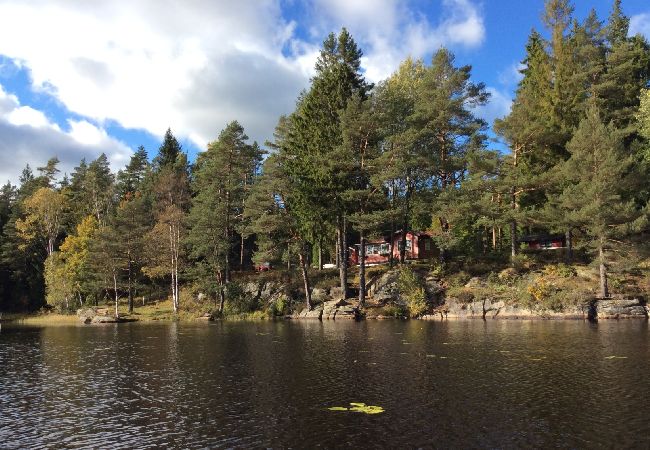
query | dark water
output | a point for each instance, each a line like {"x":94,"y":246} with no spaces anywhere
{"x":269,"y":384}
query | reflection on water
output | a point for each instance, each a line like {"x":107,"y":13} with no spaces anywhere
{"x":461,"y":384}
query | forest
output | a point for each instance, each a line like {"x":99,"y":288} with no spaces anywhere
{"x":354,"y":162}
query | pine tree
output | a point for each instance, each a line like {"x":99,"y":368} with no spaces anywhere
{"x":401,"y":159}
{"x":599,"y":198}
{"x":222,"y":175}
{"x":446,"y":129}
{"x":271,"y":218}
{"x":358,"y":156}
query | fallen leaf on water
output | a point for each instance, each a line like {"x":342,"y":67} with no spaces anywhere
{"x":359,"y":407}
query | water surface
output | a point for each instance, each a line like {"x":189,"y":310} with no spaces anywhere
{"x":270,"y":384}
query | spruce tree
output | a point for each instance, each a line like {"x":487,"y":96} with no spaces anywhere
{"x":316,"y":134}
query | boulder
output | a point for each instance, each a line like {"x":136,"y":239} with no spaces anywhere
{"x":384,"y":289}
{"x":621,"y":308}
{"x":318,"y":294}
{"x":105,"y":319}
{"x":315,"y":313}
{"x":336,"y":293}
{"x":434,"y":290}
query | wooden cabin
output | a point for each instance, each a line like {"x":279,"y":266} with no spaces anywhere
{"x":419,"y":245}
{"x":544,"y":241}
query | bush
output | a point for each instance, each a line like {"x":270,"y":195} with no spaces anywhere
{"x":237,"y":301}
{"x":522,"y":263}
{"x":394,"y":310}
{"x":279,"y":307}
{"x":560,"y":270}
{"x":544,"y":295}
{"x":458,"y":279}
{"x":412,"y":292}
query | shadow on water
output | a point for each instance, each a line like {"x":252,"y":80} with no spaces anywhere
{"x":238,"y":384}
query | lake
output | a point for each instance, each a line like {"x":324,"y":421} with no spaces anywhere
{"x":270,"y":384}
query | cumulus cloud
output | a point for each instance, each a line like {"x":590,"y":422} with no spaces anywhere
{"x":640,"y":24}
{"x":195,"y":65}
{"x":499,"y":105}
{"x":389,"y":30}
{"x":147,"y":64}
{"x":29,"y":137}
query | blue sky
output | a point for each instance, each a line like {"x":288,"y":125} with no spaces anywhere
{"x":79,"y":78}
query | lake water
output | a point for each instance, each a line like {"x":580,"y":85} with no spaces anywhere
{"x":270,"y":384}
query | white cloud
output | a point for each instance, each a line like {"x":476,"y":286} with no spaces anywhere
{"x":640,"y":24}
{"x":29,"y":137}
{"x":198,"y":64}
{"x":512,"y":75}
{"x":390,"y":31}
{"x":26,"y":115}
{"x":147,"y":64}
{"x":499,"y":105}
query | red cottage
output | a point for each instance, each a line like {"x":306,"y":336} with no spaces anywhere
{"x":419,"y":245}
{"x":544,"y":241}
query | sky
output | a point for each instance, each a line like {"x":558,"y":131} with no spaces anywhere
{"x":83,"y":77}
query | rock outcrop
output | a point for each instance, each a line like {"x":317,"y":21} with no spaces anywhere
{"x":610,"y":308}
{"x":620,"y":307}
{"x":487,"y":309}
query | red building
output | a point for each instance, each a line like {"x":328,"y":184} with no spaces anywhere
{"x":419,"y":245}
{"x":544,"y":241}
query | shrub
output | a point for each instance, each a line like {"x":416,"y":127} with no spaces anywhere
{"x":412,"y":292}
{"x":279,"y":307}
{"x":458,"y":279}
{"x":522,"y":263}
{"x":560,"y":270}
{"x":394,"y":310}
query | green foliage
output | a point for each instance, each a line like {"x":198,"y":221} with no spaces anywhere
{"x":279,"y":307}
{"x":412,"y":292}
{"x":522,"y":263}
{"x":395,"y":310}
{"x":560,"y":270}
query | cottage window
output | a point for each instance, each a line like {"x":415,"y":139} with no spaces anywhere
{"x":427,"y":245}
{"x":409,"y":245}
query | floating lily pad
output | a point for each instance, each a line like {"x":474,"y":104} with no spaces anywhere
{"x":359,"y":407}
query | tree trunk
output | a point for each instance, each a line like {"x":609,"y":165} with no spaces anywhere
{"x":289,"y":257}
{"x":222,"y":299}
{"x":320,"y":253}
{"x":222,"y":294}
{"x":343,"y":246}
{"x":362,"y":270}
{"x":241,"y":253}
{"x":405,"y":223}
{"x":513,"y":238}
{"x":305,"y":278}
{"x":569,"y":246}
{"x":604,"y":289}
{"x":117,"y":313}
{"x":337,"y":250}
{"x":130,"y":288}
